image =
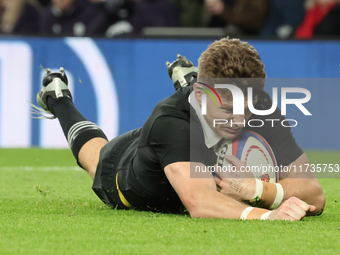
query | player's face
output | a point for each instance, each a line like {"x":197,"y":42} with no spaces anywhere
{"x":233,"y":125}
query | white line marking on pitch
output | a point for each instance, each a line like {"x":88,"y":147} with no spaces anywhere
{"x":40,"y":168}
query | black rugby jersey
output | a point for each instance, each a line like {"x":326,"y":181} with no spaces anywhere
{"x":169,"y":135}
{"x":163,"y":139}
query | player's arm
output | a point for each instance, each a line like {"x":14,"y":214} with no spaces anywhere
{"x":251,"y":190}
{"x":303,"y":184}
{"x":200,"y":197}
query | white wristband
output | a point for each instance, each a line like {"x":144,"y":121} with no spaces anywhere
{"x":265,"y":215}
{"x":258,"y":190}
{"x":245,"y":213}
{"x":279,"y":196}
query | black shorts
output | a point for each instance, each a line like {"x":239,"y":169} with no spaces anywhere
{"x":113,"y":156}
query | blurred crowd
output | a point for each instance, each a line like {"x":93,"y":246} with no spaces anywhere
{"x":302,"y":19}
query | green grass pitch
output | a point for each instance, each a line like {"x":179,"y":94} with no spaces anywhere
{"x":47,"y":207}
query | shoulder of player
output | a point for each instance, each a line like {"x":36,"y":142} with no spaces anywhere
{"x":171,"y":115}
{"x":176,"y":105}
{"x":264,"y":101}
{"x":178,"y":99}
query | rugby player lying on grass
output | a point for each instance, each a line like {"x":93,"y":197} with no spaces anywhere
{"x":149,"y":168}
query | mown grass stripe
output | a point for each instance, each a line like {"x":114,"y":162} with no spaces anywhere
{"x":40,"y":168}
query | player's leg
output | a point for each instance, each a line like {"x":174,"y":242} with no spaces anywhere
{"x":85,"y":138}
{"x":88,"y":156}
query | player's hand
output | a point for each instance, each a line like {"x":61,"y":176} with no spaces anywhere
{"x":292,"y":209}
{"x":237,"y":185}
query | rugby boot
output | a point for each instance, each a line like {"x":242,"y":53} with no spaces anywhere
{"x":181,"y":71}
{"x":55,"y":86}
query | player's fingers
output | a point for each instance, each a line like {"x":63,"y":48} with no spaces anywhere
{"x":295,"y":211}
{"x":217,"y":180}
{"x":280,"y":214}
{"x":312,"y":208}
{"x":219,"y":183}
{"x":300,"y":203}
{"x":295,"y":215}
{"x":218,"y":188}
{"x":295,"y":207}
{"x":287,"y":216}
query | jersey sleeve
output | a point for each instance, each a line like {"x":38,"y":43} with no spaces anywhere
{"x":170,"y":140}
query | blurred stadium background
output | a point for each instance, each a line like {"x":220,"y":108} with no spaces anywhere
{"x":117,"y":78}
{"x":114,"y":53}
{"x":117,"y":82}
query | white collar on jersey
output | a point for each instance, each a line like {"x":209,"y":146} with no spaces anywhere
{"x":210,"y":137}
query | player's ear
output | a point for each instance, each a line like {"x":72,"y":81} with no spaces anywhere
{"x":198,"y":92}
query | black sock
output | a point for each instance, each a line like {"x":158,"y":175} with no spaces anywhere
{"x":77,"y":129}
